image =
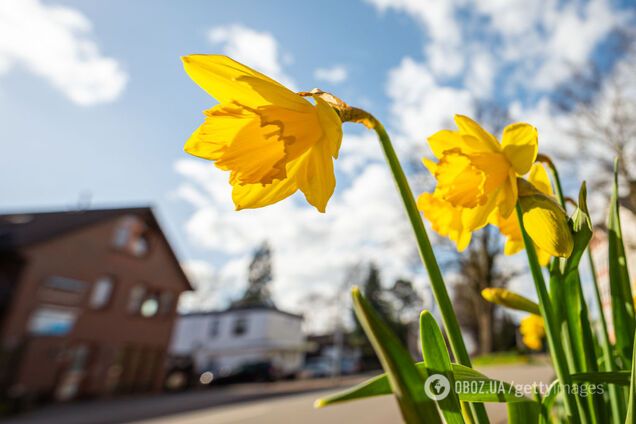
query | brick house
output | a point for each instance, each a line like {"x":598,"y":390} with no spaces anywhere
{"x":87,"y":303}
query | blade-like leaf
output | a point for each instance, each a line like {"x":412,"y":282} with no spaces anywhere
{"x":548,"y":401}
{"x":473,"y":387}
{"x":620,"y":287}
{"x":622,"y":378}
{"x":437,"y":361}
{"x":631,"y":404}
{"x":405,"y":381}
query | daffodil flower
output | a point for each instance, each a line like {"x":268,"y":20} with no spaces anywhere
{"x":478,"y":182}
{"x":273,"y":141}
{"x":475,"y":174}
{"x":532,"y":329}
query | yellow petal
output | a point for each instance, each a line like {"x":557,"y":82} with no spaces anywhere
{"x":508,"y":196}
{"x":331,"y":125}
{"x":445,"y":140}
{"x":445,"y":219}
{"x":477,"y":217}
{"x":211,"y":138}
{"x":472,"y":128}
{"x":228,"y":80}
{"x":542,"y":256}
{"x":250,"y":196}
{"x":300,"y":129}
{"x":520,"y":145}
{"x":547,"y":224}
{"x":538,"y":177}
{"x":319,"y":181}
{"x":459,"y":181}
{"x":312,"y":172}
{"x":236,"y":140}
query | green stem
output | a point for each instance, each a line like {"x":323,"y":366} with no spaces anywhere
{"x":428,"y":257}
{"x":545,"y":306}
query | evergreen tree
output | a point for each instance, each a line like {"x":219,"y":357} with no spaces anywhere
{"x":258,"y":278}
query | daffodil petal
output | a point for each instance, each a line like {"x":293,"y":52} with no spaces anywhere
{"x":508,"y":196}
{"x":539,"y":178}
{"x":546,"y":223}
{"x":470,"y":127}
{"x":331,"y":125}
{"x":477,"y":217}
{"x":520,"y":144}
{"x":249,"y":196}
{"x":445,"y":140}
{"x":542,"y":256}
{"x":445,"y":219}
{"x":513,"y":246}
{"x":211,"y":138}
{"x":459,"y":181}
{"x":319,"y":181}
{"x":228,"y":80}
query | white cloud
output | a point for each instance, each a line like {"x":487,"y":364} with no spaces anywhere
{"x":55,"y":42}
{"x":536,"y":45}
{"x":334,"y":75}
{"x":419,"y":105}
{"x":258,"y":50}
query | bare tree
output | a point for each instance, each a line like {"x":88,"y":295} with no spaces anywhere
{"x":601,"y":100}
{"x":478,"y":268}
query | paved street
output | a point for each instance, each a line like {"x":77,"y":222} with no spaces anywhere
{"x":286,"y":402}
{"x":381,"y":410}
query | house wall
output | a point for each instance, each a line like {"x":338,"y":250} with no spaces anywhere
{"x":270,"y":336}
{"x":107,"y":350}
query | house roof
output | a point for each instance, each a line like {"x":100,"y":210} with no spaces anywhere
{"x":20,"y":230}
{"x":242,"y":308}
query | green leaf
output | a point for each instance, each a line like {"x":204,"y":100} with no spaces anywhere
{"x":622,"y":378}
{"x":437,"y":361}
{"x":473,"y":387}
{"x":548,"y":401}
{"x":620,"y":287}
{"x":631,"y":417}
{"x":406,"y":382}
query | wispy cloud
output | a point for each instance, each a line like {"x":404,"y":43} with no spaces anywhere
{"x":333,"y":75}
{"x":55,"y":43}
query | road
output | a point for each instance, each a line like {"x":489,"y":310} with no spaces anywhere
{"x":286,"y":402}
{"x":380,"y":410}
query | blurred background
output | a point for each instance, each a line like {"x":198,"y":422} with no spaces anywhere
{"x":129,"y":287}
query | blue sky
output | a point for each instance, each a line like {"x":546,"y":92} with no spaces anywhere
{"x":94,"y":99}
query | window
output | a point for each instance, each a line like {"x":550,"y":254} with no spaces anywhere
{"x":136,"y":298}
{"x":240,"y":326}
{"x":214,"y":327}
{"x":130,"y":236}
{"x":51,"y":321}
{"x":102,"y":292}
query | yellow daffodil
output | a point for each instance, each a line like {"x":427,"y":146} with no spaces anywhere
{"x":509,"y":226}
{"x":475,"y":174}
{"x":272,"y":140}
{"x":532,"y":330}
{"x":478,"y":182}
